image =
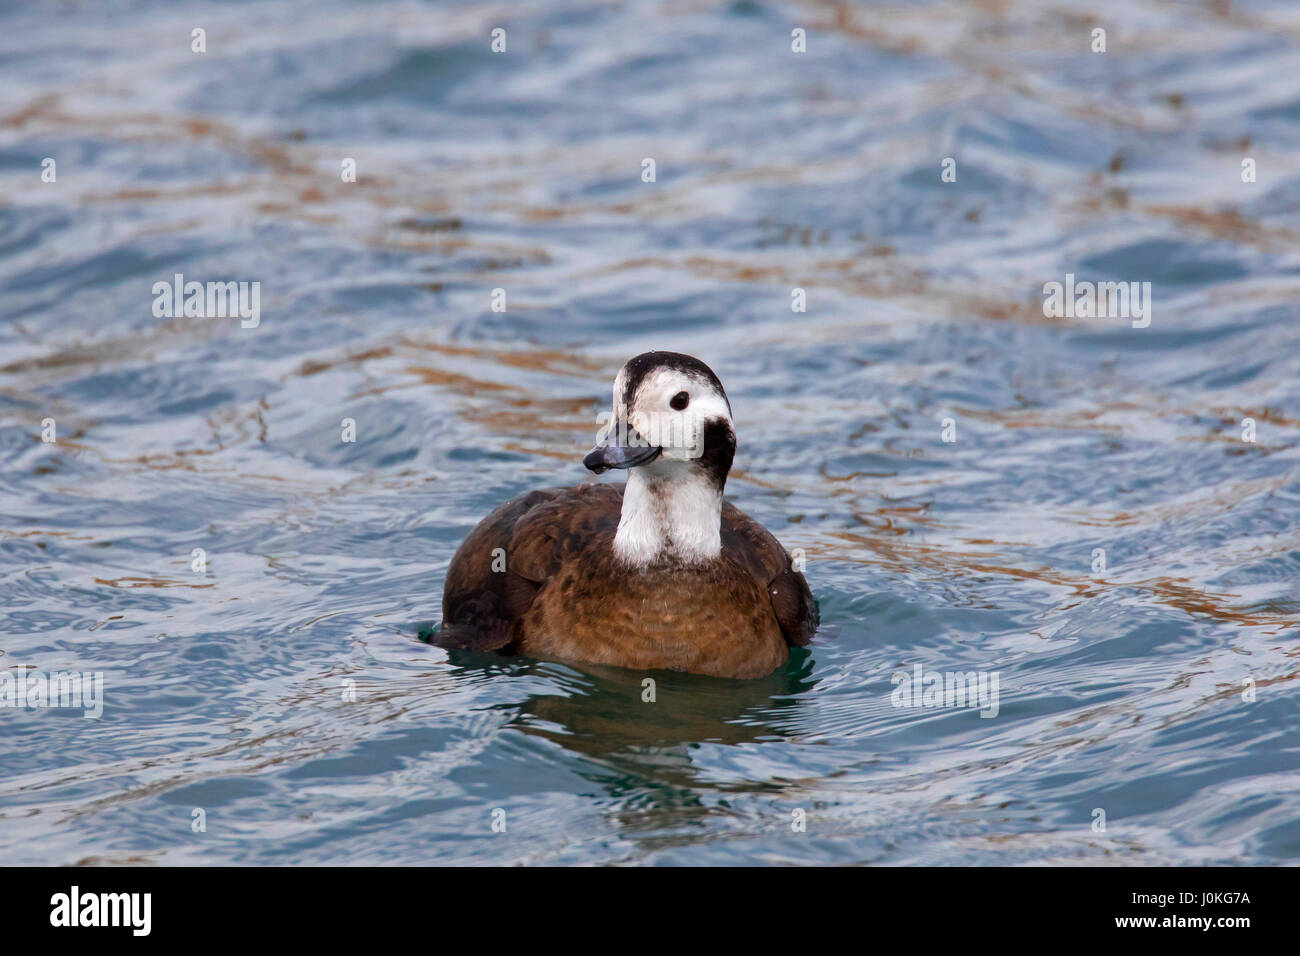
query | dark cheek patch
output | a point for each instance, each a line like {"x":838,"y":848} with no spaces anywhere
{"x":719,"y":450}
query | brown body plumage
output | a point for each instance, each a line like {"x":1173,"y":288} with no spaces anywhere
{"x":564,"y":595}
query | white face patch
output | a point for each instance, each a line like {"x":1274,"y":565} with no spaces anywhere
{"x":672,"y":508}
{"x":679,"y":432}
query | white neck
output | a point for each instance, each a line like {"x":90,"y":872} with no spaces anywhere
{"x":671,"y":512}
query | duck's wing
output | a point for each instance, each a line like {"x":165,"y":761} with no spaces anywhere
{"x":499,"y":568}
{"x":758,"y":550}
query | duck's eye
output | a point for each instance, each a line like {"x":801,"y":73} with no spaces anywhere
{"x":680,"y":401}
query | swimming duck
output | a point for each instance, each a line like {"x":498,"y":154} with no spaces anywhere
{"x":660,"y":572}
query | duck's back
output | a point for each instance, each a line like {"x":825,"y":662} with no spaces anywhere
{"x":538,"y":576}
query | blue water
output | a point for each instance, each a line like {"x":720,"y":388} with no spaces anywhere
{"x":281,"y":698}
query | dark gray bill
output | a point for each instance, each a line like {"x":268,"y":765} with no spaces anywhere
{"x":613,"y":455}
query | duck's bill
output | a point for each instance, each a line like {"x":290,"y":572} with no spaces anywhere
{"x":603,"y":457}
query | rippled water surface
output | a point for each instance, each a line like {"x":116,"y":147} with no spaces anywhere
{"x":1159,"y":688}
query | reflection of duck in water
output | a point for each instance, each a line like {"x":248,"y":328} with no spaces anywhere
{"x":614,"y":708}
{"x":646,"y":734}
{"x":660,"y":573}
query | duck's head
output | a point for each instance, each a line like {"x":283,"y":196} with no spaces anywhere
{"x":671,"y":421}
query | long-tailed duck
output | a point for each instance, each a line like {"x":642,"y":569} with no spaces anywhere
{"x":658,"y":573}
